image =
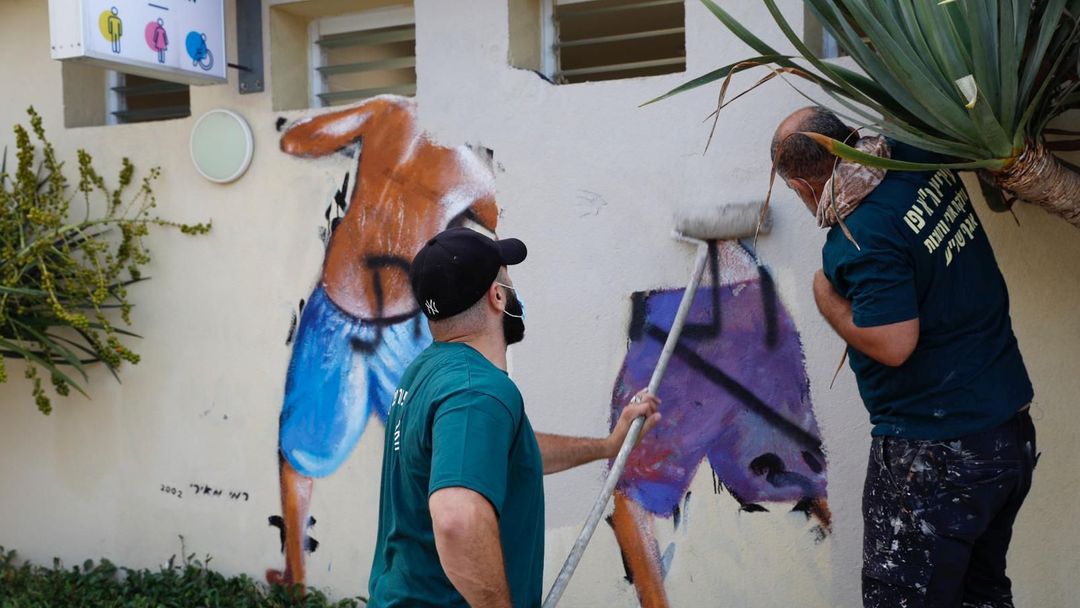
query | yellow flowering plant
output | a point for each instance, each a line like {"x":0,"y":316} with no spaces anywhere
{"x":67,"y":257}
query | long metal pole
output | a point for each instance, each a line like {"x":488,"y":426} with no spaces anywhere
{"x":563,"y":579}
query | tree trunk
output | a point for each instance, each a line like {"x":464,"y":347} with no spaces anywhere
{"x":1039,"y":178}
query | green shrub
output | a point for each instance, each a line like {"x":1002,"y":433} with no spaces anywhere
{"x":67,"y":257}
{"x":190,"y":584}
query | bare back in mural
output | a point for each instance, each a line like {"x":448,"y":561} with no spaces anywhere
{"x":736,"y":394}
{"x":360,"y":327}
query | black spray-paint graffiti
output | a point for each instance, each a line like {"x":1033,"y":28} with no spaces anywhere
{"x":360,"y":327}
{"x":736,"y":396}
{"x":743,"y":354}
{"x":310,"y":544}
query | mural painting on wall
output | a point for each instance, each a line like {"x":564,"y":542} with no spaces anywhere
{"x":735,"y":394}
{"x":360,"y":327}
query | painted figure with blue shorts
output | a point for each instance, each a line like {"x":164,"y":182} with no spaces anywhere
{"x":360,"y":328}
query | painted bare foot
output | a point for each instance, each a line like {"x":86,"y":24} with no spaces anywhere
{"x":819,"y":508}
{"x":277,"y":577}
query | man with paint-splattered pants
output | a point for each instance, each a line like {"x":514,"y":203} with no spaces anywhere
{"x":913,"y":288}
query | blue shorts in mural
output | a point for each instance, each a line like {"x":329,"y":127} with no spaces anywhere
{"x":341,"y":369}
{"x":735,"y":394}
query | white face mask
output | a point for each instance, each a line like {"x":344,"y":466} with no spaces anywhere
{"x":513,"y":317}
{"x":519,"y":301}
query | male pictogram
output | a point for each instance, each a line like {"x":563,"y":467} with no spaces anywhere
{"x":114,"y":28}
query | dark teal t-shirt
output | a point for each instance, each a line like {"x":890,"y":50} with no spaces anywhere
{"x":925,"y":254}
{"x":456,"y":421}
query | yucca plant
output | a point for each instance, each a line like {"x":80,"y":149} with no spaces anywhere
{"x":977,"y":80}
{"x":63,"y":271}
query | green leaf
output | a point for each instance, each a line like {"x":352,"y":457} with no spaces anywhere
{"x":22,"y":291}
{"x":995,"y":199}
{"x":1037,"y":98}
{"x":94,"y":358}
{"x":45,"y":320}
{"x":899,"y":130}
{"x":1052,"y":11}
{"x":906,"y":73}
{"x":719,"y":74}
{"x":847,"y":152}
{"x":1011,"y":28}
{"x":890,"y":73}
{"x":985,"y":56}
{"x":43,"y":362}
{"x":53,"y":346}
{"x":807,"y":54}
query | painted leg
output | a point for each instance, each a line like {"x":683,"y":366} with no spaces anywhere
{"x":295,"y":500}
{"x":633,"y":530}
{"x":819,"y":508}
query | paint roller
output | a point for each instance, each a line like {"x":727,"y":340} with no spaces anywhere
{"x":697,"y":226}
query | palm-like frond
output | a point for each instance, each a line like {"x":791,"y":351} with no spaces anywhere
{"x":970,"y":79}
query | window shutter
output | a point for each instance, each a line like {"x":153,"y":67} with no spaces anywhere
{"x":611,"y":39}
{"x":361,"y":64}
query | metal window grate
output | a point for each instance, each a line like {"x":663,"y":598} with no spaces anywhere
{"x":360,"y":64}
{"x":142,"y":99}
{"x":612,"y":39}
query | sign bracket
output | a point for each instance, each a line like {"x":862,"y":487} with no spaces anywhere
{"x":249,"y":46}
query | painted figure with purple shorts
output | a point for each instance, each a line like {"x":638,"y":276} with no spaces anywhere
{"x":735,"y":394}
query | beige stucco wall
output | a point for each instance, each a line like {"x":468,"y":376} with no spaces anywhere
{"x":589,"y":181}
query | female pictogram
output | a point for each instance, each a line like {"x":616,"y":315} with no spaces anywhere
{"x":200,"y":54}
{"x":157,"y":39}
{"x":112,"y":27}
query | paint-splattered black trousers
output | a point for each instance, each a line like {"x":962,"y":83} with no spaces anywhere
{"x":938,"y":517}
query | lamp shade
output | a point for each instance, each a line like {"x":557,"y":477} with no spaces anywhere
{"x":221,"y":146}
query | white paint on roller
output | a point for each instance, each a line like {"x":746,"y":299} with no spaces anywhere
{"x":721,"y":222}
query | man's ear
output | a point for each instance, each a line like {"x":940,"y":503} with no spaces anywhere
{"x":495,"y":297}
{"x":805,"y":192}
{"x":800,"y":187}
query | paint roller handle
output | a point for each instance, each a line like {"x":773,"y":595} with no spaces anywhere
{"x":563,"y":579}
{"x":680,"y":318}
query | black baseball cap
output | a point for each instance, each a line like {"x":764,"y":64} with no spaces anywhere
{"x":452,"y":271}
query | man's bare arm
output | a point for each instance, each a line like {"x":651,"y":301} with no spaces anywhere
{"x":890,"y":345}
{"x":467,"y":540}
{"x":561,"y":452}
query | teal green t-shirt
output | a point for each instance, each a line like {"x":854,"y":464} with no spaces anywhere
{"x":456,"y":421}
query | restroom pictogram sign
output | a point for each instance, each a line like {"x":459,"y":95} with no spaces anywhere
{"x":176,"y":40}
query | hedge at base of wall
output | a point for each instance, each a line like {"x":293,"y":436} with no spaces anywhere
{"x":190,"y":584}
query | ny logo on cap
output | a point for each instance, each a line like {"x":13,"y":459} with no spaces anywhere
{"x":431,"y":308}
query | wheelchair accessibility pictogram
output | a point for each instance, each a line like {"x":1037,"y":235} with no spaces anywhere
{"x":195,"y":44}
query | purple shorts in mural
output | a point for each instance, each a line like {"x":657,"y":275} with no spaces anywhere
{"x":341,"y":369}
{"x":735,"y":393}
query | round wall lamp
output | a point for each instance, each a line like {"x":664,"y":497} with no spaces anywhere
{"x":221,"y":146}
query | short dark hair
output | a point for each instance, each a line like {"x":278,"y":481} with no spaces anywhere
{"x":799,"y":155}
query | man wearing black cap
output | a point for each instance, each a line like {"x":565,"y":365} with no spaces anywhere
{"x":461,"y":513}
